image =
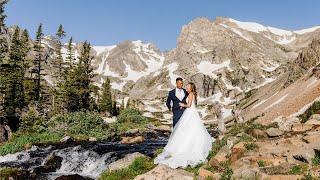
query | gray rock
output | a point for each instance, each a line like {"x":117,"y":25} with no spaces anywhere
{"x":66,"y":139}
{"x":165,"y":172}
{"x":124,"y":162}
{"x":246,"y":172}
{"x":274,"y":132}
{"x":315,"y":116}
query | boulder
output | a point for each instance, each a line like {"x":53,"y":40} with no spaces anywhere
{"x":132,"y":140}
{"x":237,"y":151}
{"x":305,"y":156}
{"x":72,"y":177}
{"x":312,"y":138}
{"x":232,"y":140}
{"x":66,"y":139}
{"x":246,"y":172}
{"x":300,"y":128}
{"x":220,"y":157}
{"x":132,"y":132}
{"x":315,"y":116}
{"x":124,"y":162}
{"x":258,"y":133}
{"x":5,"y":133}
{"x":164,"y":128}
{"x":162,"y":172}
{"x":27,"y":146}
{"x":206,"y":174}
{"x":313,"y":122}
{"x":150,"y":126}
{"x":274,"y":132}
{"x":51,"y":164}
{"x":285,"y":124}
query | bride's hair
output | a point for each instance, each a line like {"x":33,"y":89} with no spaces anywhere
{"x":194,"y":90}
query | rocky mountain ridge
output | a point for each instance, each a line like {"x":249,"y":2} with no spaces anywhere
{"x":226,"y":59}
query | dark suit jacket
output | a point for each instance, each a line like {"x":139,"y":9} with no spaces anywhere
{"x":172,"y":97}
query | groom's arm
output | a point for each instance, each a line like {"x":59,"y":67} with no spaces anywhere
{"x":168,"y":103}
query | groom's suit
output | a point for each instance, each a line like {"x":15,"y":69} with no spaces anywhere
{"x":176,"y":110}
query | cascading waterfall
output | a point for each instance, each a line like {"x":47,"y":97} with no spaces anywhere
{"x":87,"y":159}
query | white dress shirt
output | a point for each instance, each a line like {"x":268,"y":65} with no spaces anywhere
{"x":180,"y":93}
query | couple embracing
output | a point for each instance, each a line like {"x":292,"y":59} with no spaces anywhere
{"x":189,"y":142}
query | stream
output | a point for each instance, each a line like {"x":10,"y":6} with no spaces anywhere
{"x":87,"y":159}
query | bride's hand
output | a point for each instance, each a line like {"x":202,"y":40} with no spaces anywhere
{"x":181,"y":104}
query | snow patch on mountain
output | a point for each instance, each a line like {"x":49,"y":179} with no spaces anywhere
{"x":236,"y":31}
{"x":101,"y":49}
{"x":308,"y":30}
{"x":257,"y":28}
{"x":209,"y":68}
{"x":172,"y":68}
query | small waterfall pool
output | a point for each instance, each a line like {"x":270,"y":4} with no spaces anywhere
{"x":88,"y":159}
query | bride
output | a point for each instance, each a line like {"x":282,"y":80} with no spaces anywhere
{"x":189,"y":142}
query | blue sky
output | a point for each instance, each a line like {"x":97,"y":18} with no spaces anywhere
{"x":107,"y":22}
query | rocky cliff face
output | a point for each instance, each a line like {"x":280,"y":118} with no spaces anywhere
{"x":226,"y":58}
{"x":292,"y":93}
{"x":307,"y":58}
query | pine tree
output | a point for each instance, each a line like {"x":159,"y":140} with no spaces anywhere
{"x":77,"y":90}
{"x":115,"y":109}
{"x":59,"y":59}
{"x":105,"y":100}
{"x":3,"y":35}
{"x":70,"y":54}
{"x":14,"y":78}
{"x":2,"y":15}
{"x":38,"y":63}
{"x":84,"y":73}
{"x":3,"y":54}
{"x":27,"y":63}
{"x":25,"y":47}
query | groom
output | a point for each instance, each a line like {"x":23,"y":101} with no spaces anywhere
{"x":177,"y":96}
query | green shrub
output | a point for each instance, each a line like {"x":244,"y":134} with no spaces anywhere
{"x":131,"y":115}
{"x":32,"y":121}
{"x":316,"y":159}
{"x":308,"y":176}
{"x":246,"y":138}
{"x":261,"y":163}
{"x":18,"y":141}
{"x":158,"y":151}
{"x":79,"y":124}
{"x":296,"y":170}
{"x":216,"y":146}
{"x":139,"y":166}
{"x":250,"y":146}
{"x":227,"y":171}
{"x":194,"y":169}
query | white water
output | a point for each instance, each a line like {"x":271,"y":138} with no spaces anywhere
{"x":76,"y":160}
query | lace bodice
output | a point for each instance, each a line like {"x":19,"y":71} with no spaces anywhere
{"x":193,"y":102}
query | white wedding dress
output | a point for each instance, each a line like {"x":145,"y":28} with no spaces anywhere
{"x":189,"y":142}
